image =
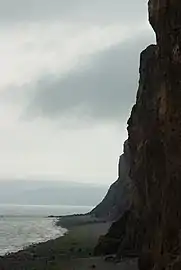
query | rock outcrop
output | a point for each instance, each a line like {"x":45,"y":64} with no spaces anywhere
{"x":154,"y":130}
{"x":115,"y":204}
{"x":119,"y":195}
{"x":153,"y":227}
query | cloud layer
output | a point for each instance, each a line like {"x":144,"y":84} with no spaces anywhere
{"x":71,"y":67}
{"x":103,"y":88}
{"x":95,"y":11}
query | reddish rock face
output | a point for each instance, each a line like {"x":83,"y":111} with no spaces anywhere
{"x":155,"y":139}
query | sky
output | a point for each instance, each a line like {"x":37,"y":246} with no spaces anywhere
{"x":69,"y":76}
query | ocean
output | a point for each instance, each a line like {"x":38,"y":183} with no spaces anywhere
{"x":23,"y":225}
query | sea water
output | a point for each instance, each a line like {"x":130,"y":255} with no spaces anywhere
{"x":23,"y":225}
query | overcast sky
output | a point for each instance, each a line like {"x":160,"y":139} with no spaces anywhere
{"x":69,"y":76}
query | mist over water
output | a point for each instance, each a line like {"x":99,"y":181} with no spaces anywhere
{"x":41,"y":210}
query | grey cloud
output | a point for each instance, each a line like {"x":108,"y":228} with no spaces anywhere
{"x":105,"y":89}
{"x":79,"y":10}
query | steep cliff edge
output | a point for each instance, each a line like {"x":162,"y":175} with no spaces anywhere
{"x":115,"y":204}
{"x":154,"y":130}
{"x":153,"y":227}
{"x":118,"y":197}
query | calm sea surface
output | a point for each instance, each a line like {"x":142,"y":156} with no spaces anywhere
{"x":21,"y":226}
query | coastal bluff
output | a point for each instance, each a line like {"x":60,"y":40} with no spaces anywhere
{"x":151,"y":229}
{"x":118,"y":197}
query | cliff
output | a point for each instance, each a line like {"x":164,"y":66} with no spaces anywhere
{"x":154,"y":130}
{"x":116,"y":202}
{"x":152,"y":228}
{"x":118,"y":197}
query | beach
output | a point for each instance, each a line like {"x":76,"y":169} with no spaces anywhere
{"x":74,"y":251}
{"x":23,"y":225}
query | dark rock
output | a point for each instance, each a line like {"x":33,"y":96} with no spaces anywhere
{"x":154,"y":130}
{"x":116,"y":202}
{"x":153,"y":226}
{"x":145,"y":261}
{"x":110,"y":243}
{"x":109,"y":258}
{"x":118,"y":198}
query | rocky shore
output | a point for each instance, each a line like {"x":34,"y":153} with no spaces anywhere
{"x":140,"y":215}
{"x":75,"y":251}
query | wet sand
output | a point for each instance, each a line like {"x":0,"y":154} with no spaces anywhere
{"x":74,"y":251}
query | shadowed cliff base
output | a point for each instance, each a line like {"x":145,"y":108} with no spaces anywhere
{"x":154,"y":130}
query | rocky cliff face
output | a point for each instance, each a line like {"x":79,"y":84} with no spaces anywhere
{"x":154,"y":130}
{"x":153,"y":228}
{"x":118,"y":197}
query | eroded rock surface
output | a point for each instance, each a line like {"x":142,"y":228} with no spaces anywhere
{"x":155,"y":139}
{"x":153,"y":228}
